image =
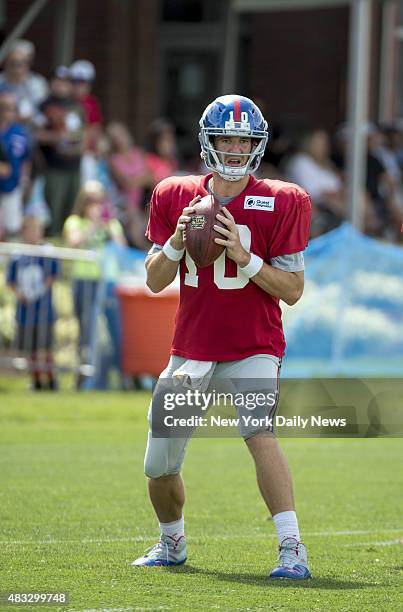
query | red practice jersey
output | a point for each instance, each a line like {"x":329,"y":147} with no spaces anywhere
{"x":222,"y":314}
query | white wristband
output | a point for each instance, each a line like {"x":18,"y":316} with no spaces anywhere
{"x":254,"y":266}
{"x":171,"y":253}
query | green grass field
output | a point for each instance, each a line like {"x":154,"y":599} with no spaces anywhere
{"x":74,"y":513}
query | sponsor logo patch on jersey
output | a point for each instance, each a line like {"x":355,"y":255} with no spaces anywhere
{"x":259,"y":203}
{"x":197,"y":222}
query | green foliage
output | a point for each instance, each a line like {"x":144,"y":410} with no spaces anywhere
{"x":74,"y":513}
{"x":66,"y":327}
{"x":7,"y":313}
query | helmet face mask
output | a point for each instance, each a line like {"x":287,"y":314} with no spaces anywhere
{"x":232,"y":116}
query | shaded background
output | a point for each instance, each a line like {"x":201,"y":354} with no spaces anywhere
{"x":171,"y":57}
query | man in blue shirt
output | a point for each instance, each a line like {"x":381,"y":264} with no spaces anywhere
{"x":15,"y":157}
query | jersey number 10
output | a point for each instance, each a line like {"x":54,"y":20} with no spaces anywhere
{"x":223,"y":282}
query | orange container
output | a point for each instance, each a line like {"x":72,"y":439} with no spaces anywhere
{"x":147,"y":328}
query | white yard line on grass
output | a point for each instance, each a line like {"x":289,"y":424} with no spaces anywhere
{"x":249,"y":536}
{"x":383,"y":543}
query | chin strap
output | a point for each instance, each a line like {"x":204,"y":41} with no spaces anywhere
{"x":228,"y":177}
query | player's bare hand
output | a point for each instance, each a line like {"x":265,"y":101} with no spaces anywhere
{"x":230,"y":238}
{"x":178,"y":238}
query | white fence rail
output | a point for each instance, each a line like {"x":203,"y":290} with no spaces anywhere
{"x":48,"y":308}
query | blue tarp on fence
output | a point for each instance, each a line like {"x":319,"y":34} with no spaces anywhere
{"x":350,"y":319}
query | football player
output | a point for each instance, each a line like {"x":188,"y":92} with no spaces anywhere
{"x":266,"y":228}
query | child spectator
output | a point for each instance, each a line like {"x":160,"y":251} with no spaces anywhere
{"x":15,"y":165}
{"x":89,"y":228}
{"x":130,"y":172}
{"x":31,"y":277}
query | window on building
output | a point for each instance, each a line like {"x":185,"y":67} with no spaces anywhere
{"x":193,"y":10}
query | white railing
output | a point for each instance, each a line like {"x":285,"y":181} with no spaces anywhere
{"x":73,"y":342}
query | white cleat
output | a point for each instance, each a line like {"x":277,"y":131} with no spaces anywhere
{"x":168,"y":551}
{"x":292,"y":561}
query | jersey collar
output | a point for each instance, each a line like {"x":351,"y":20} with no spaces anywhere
{"x":251,"y":183}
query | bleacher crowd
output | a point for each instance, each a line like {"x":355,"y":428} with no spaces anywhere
{"x":85,"y":182}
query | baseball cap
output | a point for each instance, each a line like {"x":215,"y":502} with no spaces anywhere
{"x":82,"y":70}
{"x":61,"y":72}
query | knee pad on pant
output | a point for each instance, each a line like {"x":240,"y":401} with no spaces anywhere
{"x":153,"y":471}
{"x":156,"y":458}
{"x":164,"y":456}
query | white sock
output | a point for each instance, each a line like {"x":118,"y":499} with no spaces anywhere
{"x":175,"y":530}
{"x":287,"y":525}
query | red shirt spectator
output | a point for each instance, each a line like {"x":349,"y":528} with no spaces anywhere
{"x":92,"y":109}
{"x":82,"y":74}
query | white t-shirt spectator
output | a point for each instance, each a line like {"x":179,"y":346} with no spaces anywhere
{"x":29,"y":94}
{"x":314,"y":178}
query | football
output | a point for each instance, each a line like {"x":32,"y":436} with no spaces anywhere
{"x":200,"y":232}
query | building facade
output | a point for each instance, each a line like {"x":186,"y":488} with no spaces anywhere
{"x":170,"y":57}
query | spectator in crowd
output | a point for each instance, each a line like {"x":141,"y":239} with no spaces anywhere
{"x":96,"y":167}
{"x":382,"y":216}
{"x":15,"y":154}
{"x":393,"y":159}
{"x":383,"y":185}
{"x":312,"y":168}
{"x":279,"y":148}
{"x":29,"y":87}
{"x":162,"y":157}
{"x":82,"y":75}
{"x":388,"y":151}
{"x":396,"y":141}
{"x":102,"y":168}
{"x":60,"y":133}
{"x":130,"y":172}
{"x":90,"y":228}
{"x":60,"y":84}
{"x":31,"y":277}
